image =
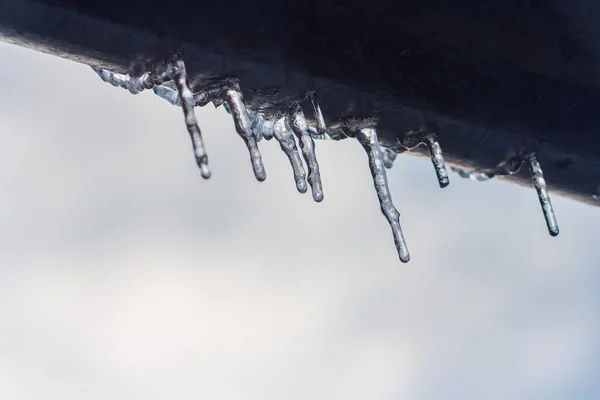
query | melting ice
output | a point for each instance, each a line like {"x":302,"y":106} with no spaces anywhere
{"x":168,"y":80}
{"x":368,"y":139}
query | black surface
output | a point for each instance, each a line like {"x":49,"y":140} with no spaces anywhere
{"x":493,"y":76}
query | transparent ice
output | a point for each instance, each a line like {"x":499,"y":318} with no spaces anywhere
{"x":540,"y":186}
{"x":367,"y":137}
{"x":168,"y":79}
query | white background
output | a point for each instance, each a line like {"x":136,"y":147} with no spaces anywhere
{"x":125,"y":275}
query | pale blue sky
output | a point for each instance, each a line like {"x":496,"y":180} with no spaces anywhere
{"x":125,"y":275}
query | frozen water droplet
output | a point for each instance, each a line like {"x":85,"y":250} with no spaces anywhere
{"x":268,"y":129}
{"x":307,"y":145}
{"x":186,"y":99}
{"x":368,"y":139}
{"x":287,"y":142}
{"x":435,"y":152}
{"x":243,"y":126}
{"x":389,"y":156}
{"x":540,"y":186}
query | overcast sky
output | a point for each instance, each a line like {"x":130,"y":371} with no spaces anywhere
{"x":125,"y":275}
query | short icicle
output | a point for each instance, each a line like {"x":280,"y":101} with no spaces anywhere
{"x":243,"y":126}
{"x":540,"y":186}
{"x":287,"y":142}
{"x":368,"y":139}
{"x":307,"y":145}
{"x":437,"y":159}
{"x":413,"y":139}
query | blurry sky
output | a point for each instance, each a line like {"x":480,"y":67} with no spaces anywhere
{"x":125,"y":275}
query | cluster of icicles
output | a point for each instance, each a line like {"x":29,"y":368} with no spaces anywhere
{"x":290,"y":127}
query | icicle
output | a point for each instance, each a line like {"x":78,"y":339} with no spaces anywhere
{"x":186,"y":99}
{"x":368,"y":139}
{"x":243,"y":126}
{"x":171,"y":69}
{"x":287,"y":142}
{"x":321,"y":127}
{"x":307,"y":145}
{"x":414,"y":139}
{"x":389,"y":156}
{"x":540,"y":186}
{"x":437,"y":159}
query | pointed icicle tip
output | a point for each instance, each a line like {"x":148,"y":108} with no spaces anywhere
{"x":367,"y":137}
{"x":542,"y":190}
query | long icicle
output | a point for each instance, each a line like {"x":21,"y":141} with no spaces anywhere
{"x":243,"y":126}
{"x":540,"y":186}
{"x":307,"y":145}
{"x":287,"y":142}
{"x":186,"y":98}
{"x":368,"y":139}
